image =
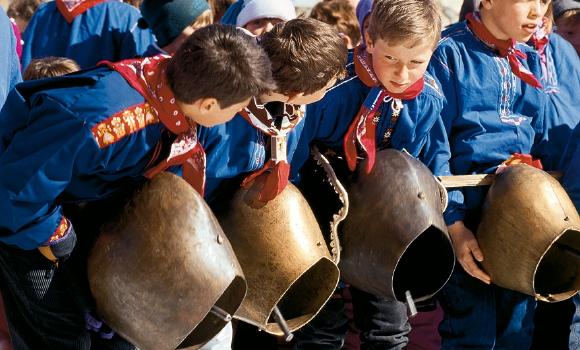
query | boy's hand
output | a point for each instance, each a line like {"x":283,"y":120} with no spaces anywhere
{"x":467,"y":250}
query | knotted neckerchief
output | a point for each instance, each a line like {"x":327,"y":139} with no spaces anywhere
{"x":505,"y":48}
{"x":148,"y":77}
{"x":362,"y":130}
{"x":72,"y":8}
{"x":276,"y":170}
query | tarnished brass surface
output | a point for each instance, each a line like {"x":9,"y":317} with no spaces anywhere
{"x":283,"y":255}
{"x":394,"y":237}
{"x":156,"y":273}
{"x":530,"y":235}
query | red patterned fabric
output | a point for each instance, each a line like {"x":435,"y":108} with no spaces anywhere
{"x":276,"y":170}
{"x":505,"y":48}
{"x":72,"y":8}
{"x":148,"y":77}
{"x":518,"y":158}
{"x":362,"y":131}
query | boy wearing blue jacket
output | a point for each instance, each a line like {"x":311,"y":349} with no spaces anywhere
{"x":494,"y":108}
{"x":86,"y":31}
{"x":389,"y":102}
{"x":94,"y":135}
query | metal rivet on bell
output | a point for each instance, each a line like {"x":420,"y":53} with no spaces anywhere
{"x":220,"y":240}
{"x":421,"y":195}
{"x":318,"y":244}
{"x":566,"y":219}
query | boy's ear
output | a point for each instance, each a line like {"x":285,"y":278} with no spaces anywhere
{"x":208,"y":105}
{"x":486,"y":4}
{"x":294,"y":96}
{"x":370,"y":43}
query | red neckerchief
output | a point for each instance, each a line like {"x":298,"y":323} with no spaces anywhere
{"x":148,"y":77}
{"x":362,"y":130}
{"x":72,"y":8}
{"x":505,"y":48}
{"x":276,"y":170}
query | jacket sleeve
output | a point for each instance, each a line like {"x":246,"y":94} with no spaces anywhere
{"x":9,"y":65}
{"x":35,"y":168}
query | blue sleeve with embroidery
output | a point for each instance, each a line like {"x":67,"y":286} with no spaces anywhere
{"x":107,"y":31}
{"x":9,"y":65}
{"x":437,"y":152}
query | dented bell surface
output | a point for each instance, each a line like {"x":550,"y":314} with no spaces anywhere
{"x":530,"y":235}
{"x":394,"y":238}
{"x":283,"y":254}
{"x":158,"y":271}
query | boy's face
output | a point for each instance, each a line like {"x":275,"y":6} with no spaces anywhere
{"x":302,"y":99}
{"x":569,"y":29}
{"x":262,"y":25}
{"x":398,"y":66}
{"x":513,"y":19}
{"x":207,"y":111}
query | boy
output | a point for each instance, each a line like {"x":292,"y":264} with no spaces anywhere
{"x":571,"y":182}
{"x":22,"y":11}
{"x":494,"y":108}
{"x":307,"y":57}
{"x":172,"y":22}
{"x":259,"y":16}
{"x":86,"y":31}
{"x":391,"y":71}
{"x":567,"y":16}
{"x":93,"y":135}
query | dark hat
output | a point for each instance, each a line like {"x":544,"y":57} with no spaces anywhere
{"x":561,"y":6}
{"x":168,"y":18}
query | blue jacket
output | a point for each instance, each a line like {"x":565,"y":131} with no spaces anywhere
{"x":561,"y":81}
{"x":571,"y":166}
{"x":54,"y":149}
{"x":488,"y":114}
{"x":328,"y":120}
{"x":9,"y":65}
{"x":107,"y":31}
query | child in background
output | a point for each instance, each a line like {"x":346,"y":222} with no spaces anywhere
{"x":219,"y":8}
{"x":340,"y":14}
{"x":567,"y":17}
{"x":22,"y":11}
{"x":49,"y":67}
{"x":87,"y":31}
{"x":494,"y":107}
{"x":172,"y":22}
{"x":259,"y":16}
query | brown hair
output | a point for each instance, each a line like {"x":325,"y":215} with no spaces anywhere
{"x":205,"y":19}
{"x":569,"y":17}
{"x":405,"y":21}
{"x":219,"y":7}
{"x":340,"y":14}
{"x":222,"y":62}
{"x":305,"y":53}
{"x":23,"y":9}
{"x":134,"y":3}
{"x":49,"y":67}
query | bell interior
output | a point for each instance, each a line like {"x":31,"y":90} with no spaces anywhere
{"x":306,"y":296}
{"x":425,"y":266}
{"x":211,"y":325}
{"x":558,"y":273}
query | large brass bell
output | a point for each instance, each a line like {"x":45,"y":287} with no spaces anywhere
{"x":394,"y":239}
{"x":165,"y":276}
{"x":530,"y":235}
{"x":284,"y":257}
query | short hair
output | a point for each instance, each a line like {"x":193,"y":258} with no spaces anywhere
{"x":340,"y":14}
{"x":49,"y":67}
{"x":405,"y":21}
{"x":305,"y":54}
{"x":23,"y":9}
{"x":570,"y":16}
{"x":205,"y":19}
{"x":222,"y":62}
